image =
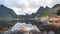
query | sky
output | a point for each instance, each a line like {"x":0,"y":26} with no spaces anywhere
{"x":22,"y":7}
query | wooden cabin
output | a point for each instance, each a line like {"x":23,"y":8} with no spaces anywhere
{"x":53,"y":15}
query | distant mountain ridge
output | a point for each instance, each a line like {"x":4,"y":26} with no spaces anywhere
{"x":6,"y":12}
{"x":56,"y":5}
{"x":42,"y":12}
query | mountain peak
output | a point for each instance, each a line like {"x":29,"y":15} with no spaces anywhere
{"x":47,"y":7}
{"x":41,"y":7}
{"x":5,"y":11}
{"x":56,"y":5}
{"x":2,"y":6}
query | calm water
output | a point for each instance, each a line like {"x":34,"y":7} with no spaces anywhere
{"x":5,"y":24}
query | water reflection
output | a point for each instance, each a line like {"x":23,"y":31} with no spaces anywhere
{"x":23,"y":28}
{"x":50,"y":32}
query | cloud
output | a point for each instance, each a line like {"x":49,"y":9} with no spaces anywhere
{"x":27,"y":6}
{"x":20,"y":11}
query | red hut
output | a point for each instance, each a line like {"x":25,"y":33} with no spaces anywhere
{"x":53,"y":15}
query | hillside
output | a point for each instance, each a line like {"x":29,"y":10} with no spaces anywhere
{"x":48,"y":11}
{"x":6,"y":12}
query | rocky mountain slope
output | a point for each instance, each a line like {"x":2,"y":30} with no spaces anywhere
{"x":6,"y":12}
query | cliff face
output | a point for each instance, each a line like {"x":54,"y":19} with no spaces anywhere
{"x":6,"y":12}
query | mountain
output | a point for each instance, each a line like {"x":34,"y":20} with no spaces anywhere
{"x":42,"y":12}
{"x":27,"y":16}
{"x":6,"y":12}
{"x":56,"y":5}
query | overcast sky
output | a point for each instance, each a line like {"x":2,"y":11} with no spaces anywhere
{"x":27,"y":6}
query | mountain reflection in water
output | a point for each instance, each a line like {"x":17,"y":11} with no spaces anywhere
{"x":23,"y":28}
